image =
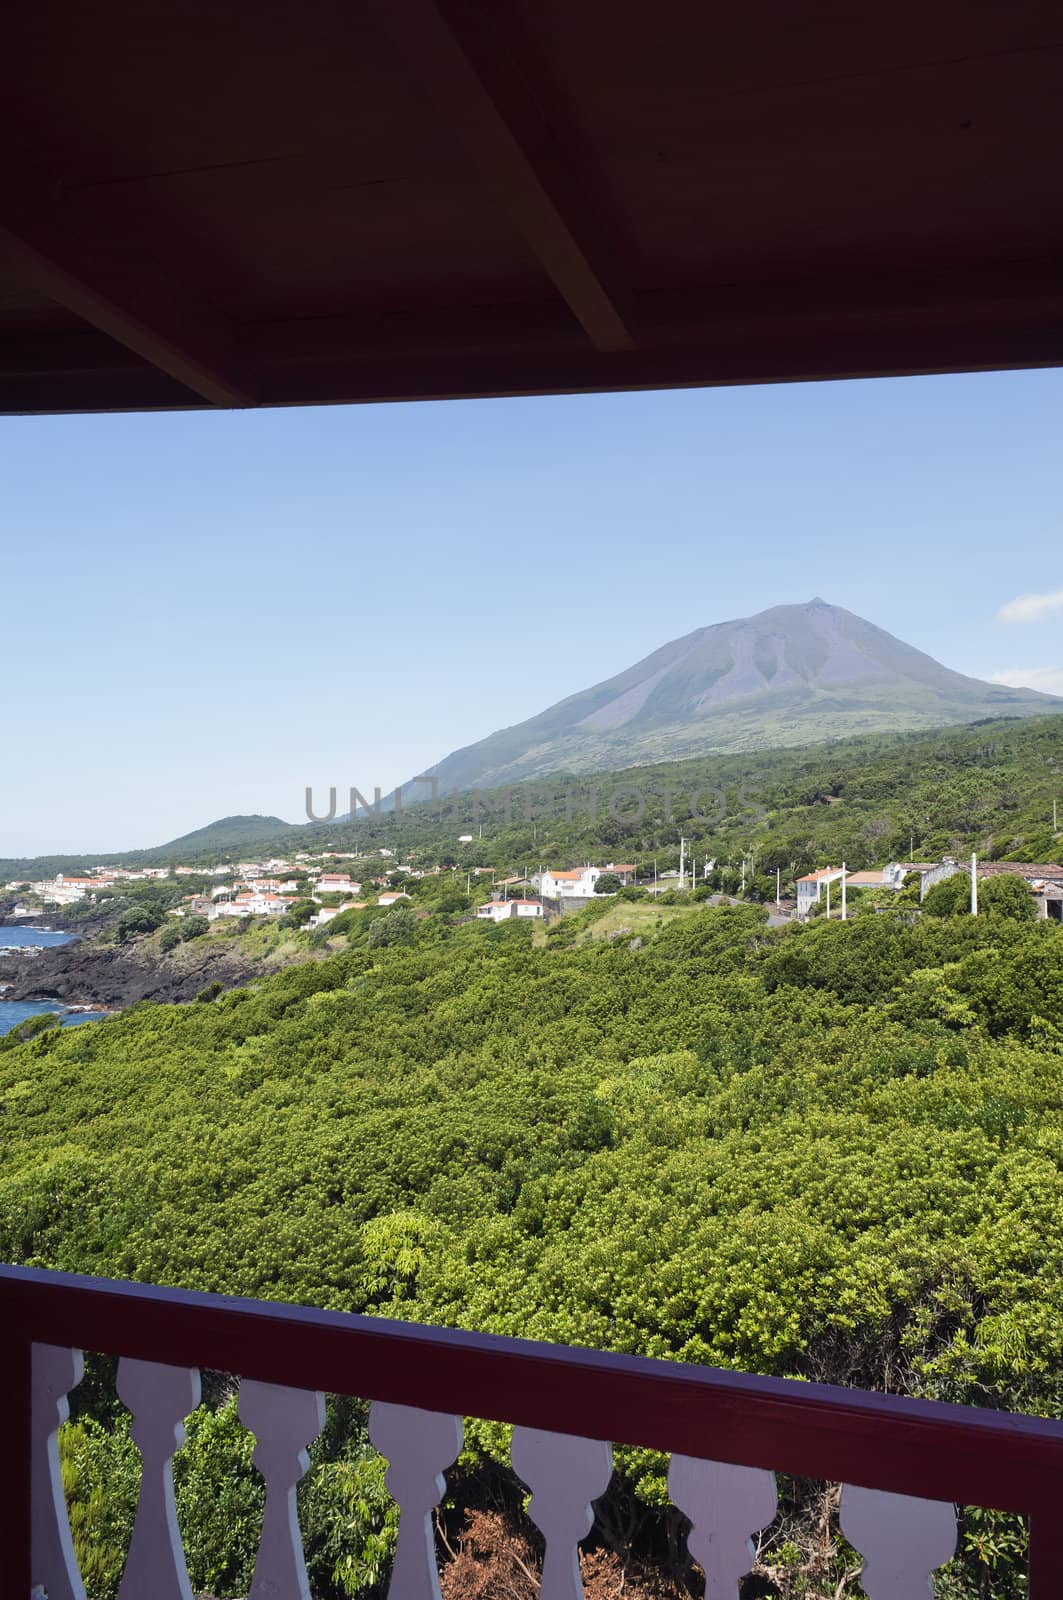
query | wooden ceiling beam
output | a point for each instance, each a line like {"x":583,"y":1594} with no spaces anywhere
{"x":488,"y":103}
{"x":136,"y":306}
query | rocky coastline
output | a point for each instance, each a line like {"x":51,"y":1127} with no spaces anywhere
{"x":109,"y":977}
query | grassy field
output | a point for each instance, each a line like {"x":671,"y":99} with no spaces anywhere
{"x":635,"y":918}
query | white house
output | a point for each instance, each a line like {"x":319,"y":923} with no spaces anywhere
{"x":63,"y":890}
{"x":253,"y":905}
{"x":812,"y":885}
{"x":505,"y":910}
{"x":336,"y":883}
{"x":326,"y":914}
{"x":811,"y":888}
{"x":271,"y":905}
{"x":574,"y":885}
{"x":240,"y":907}
{"x":390,"y":897}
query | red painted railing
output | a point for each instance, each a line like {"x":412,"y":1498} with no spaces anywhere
{"x":911,"y":1447}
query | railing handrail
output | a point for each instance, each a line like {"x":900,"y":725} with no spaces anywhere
{"x":889,"y":1442}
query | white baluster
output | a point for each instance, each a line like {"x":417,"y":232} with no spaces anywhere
{"x":418,"y":1446}
{"x":726,"y":1506}
{"x":564,"y":1473}
{"x":284,"y":1422}
{"x":160,"y":1398}
{"x":901,"y":1539}
{"x":54,"y":1567}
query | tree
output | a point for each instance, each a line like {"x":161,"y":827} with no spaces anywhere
{"x":1007,"y":895}
{"x":608,"y":883}
{"x":300,"y":913}
{"x":138,"y":919}
{"x":397,"y":926}
{"x":169,"y":938}
{"x":194,"y":928}
{"x":452,"y":901}
{"x":948,"y":898}
{"x":29,"y":1029}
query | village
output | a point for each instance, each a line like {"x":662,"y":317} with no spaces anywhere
{"x":320,"y":887}
{"x":274,"y":887}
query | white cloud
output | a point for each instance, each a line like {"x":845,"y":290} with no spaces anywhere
{"x":1031,"y":607}
{"x":1048,"y":679}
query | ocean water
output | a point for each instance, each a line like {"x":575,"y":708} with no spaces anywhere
{"x":12,"y":1012}
{"x":16,"y":936}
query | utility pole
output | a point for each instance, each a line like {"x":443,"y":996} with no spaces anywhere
{"x":828,"y":897}
{"x":843,"y":891}
{"x":974,"y":884}
{"x":778,"y":887}
{"x":682,"y":863}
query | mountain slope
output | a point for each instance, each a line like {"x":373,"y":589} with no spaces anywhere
{"x":790,"y":675}
{"x":225,"y":834}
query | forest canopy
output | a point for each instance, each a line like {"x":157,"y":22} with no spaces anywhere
{"x":832,"y":1151}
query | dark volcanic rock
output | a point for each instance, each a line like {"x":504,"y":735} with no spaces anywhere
{"x":114,"y":976}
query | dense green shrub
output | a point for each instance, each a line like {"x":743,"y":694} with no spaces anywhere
{"x":1007,"y":896}
{"x":138,"y":919}
{"x":608,"y":883}
{"x":832,"y":1151}
{"x":949,"y":898}
{"x":397,"y":926}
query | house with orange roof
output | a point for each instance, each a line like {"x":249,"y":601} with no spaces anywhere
{"x":575,"y":884}
{"x":812,"y":885}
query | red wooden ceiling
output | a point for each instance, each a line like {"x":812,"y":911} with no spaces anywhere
{"x":268,"y":203}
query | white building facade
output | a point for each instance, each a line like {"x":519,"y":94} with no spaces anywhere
{"x":508,"y":910}
{"x":575,"y":885}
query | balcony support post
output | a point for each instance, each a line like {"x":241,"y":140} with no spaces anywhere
{"x":1046,"y":1552}
{"x":16,"y":1356}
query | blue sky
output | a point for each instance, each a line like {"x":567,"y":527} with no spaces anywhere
{"x":204,"y":613}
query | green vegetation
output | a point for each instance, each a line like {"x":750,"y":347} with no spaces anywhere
{"x":833,"y":1151}
{"x":1007,"y":896}
{"x":608,"y":883}
{"x":181,"y":932}
{"x":300,"y":912}
{"x":830,"y":1152}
